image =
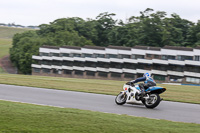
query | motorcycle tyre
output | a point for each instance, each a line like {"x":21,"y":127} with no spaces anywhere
{"x":120,"y":103}
{"x":153,"y":105}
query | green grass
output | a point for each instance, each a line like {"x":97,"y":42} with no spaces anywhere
{"x":27,"y":118}
{"x":189,"y":94}
{"x":1,"y":70}
{"x":5,"y":41}
{"x":4,"y":50}
{"x":8,"y":32}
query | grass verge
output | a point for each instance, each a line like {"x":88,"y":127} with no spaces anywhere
{"x":8,"y":32}
{"x":189,"y":94}
{"x":4,"y":41}
{"x":18,"y":117}
{"x":4,"y":49}
{"x":2,"y":71}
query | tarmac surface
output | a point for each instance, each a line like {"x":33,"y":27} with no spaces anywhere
{"x":173,"y":111}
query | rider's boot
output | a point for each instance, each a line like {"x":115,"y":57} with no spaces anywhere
{"x":142,"y":94}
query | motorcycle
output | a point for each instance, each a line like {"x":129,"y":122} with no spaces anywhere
{"x":131,"y":95}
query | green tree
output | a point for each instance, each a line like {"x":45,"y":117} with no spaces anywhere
{"x":193,"y":36}
{"x":59,"y":33}
{"x":23,"y":49}
{"x":178,"y":29}
{"x":149,"y":27}
{"x":105,"y":23}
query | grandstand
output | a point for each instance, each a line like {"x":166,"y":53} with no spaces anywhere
{"x":167,"y":64}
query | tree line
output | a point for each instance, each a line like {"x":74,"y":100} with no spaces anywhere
{"x":150,"y":28}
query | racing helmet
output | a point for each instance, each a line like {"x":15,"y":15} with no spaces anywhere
{"x":147,"y":75}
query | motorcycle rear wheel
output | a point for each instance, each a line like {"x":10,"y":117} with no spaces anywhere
{"x":121,"y":98}
{"x":153,"y":101}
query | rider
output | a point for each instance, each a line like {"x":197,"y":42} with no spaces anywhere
{"x":148,"y":82}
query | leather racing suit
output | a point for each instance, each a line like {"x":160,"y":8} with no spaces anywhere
{"x":148,"y":82}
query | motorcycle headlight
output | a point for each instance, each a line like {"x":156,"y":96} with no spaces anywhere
{"x":125,"y":87}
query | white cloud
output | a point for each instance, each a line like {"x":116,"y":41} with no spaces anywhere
{"x":36,"y":12}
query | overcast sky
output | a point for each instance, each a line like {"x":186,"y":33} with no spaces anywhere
{"x":36,"y":12}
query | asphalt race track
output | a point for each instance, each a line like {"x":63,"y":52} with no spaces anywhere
{"x":173,"y":111}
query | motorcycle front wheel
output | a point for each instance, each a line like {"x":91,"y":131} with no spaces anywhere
{"x":121,"y":98}
{"x":152,"y":101}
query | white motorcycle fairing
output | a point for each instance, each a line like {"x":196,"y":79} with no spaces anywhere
{"x":131,"y":91}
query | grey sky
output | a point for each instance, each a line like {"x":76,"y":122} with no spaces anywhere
{"x":36,"y":12}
